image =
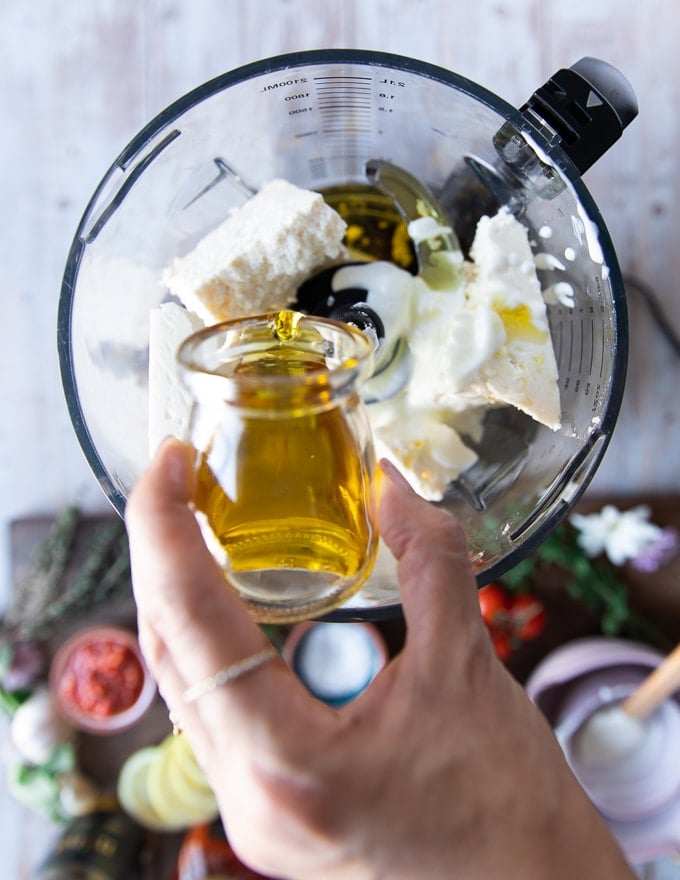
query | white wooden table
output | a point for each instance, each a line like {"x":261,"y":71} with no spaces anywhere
{"x":78,"y":80}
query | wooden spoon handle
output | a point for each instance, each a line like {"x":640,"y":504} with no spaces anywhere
{"x":662,"y":682}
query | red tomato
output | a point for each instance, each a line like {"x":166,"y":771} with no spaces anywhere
{"x":528,"y":617}
{"x":494,"y":604}
{"x":501,"y":644}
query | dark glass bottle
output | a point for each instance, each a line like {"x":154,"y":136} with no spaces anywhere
{"x":205,"y":853}
{"x":102,"y":845}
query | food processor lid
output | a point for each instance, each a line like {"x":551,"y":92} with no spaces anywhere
{"x":587,"y":105}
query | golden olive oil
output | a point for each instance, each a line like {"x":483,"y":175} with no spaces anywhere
{"x":519,"y":324}
{"x":285,"y":483}
{"x":375,"y":229}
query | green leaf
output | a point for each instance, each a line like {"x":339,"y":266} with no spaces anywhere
{"x":6,"y":653}
{"x":517,"y":579}
{"x":62,"y":759}
{"x":594,"y":582}
{"x":34,"y":787}
{"x":11,"y":700}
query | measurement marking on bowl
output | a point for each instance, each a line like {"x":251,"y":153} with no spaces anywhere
{"x":559,"y":344}
{"x":592,"y":348}
{"x":571,"y":347}
{"x":340,"y":100}
{"x":334,"y":109}
{"x":333,"y":123}
{"x":604,"y":349}
{"x":343,"y":91}
{"x":338,"y":77}
{"x":361,"y":91}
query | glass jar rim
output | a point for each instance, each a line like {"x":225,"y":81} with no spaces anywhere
{"x":204,"y":355}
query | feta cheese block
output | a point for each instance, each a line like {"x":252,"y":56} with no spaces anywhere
{"x":486,"y":339}
{"x":452,"y":338}
{"x":523,"y":371}
{"x":169,"y":401}
{"x":255,"y":260}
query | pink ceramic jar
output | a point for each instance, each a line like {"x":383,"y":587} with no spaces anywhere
{"x":99,"y":680}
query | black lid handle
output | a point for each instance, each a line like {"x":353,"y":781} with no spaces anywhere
{"x":588,"y":105}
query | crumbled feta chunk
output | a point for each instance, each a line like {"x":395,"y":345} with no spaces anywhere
{"x":427,"y":451}
{"x":523,"y":371}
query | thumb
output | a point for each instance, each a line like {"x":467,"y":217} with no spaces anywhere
{"x":438,"y":587}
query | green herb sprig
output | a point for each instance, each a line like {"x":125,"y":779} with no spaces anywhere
{"x":52,"y":589}
{"x":595,"y":582}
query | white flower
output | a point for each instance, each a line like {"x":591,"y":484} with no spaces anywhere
{"x":621,"y":535}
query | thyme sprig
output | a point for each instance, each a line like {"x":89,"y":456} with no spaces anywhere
{"x":55,"y":587}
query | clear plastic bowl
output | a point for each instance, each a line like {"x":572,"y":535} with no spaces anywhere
{"x":316,"y":118}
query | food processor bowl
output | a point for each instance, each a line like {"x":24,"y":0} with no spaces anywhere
{"x":319,"y":119}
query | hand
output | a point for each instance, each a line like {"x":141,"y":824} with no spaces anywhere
{"x":442,"y":768}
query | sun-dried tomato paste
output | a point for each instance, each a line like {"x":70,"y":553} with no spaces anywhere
{"x":101,"y":678}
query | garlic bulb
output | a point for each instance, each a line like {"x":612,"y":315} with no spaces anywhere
{"x":37,"y":729}
{"x":78,"y":795}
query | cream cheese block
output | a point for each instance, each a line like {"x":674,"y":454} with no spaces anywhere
{"x":452,"y":338}
{"x":256,"y":259}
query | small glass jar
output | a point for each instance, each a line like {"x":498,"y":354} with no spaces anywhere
{"x":285,"y":469}
{"x":335,"y":661}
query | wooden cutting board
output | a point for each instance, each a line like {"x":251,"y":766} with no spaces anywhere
{"x":100,"y":757}
{"x":655,"y":595}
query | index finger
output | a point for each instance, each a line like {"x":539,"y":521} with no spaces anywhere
{"x":199,"y":626}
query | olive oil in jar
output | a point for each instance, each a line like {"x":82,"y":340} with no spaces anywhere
{"x":285,"y":480}
{"x":296,"y":499}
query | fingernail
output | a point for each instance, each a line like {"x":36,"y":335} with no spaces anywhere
{"x":395,"y":475}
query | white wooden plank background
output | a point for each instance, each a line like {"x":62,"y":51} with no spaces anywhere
{"x":78,"y":78}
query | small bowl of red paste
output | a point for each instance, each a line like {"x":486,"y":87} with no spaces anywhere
{"x":99,"y":680}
